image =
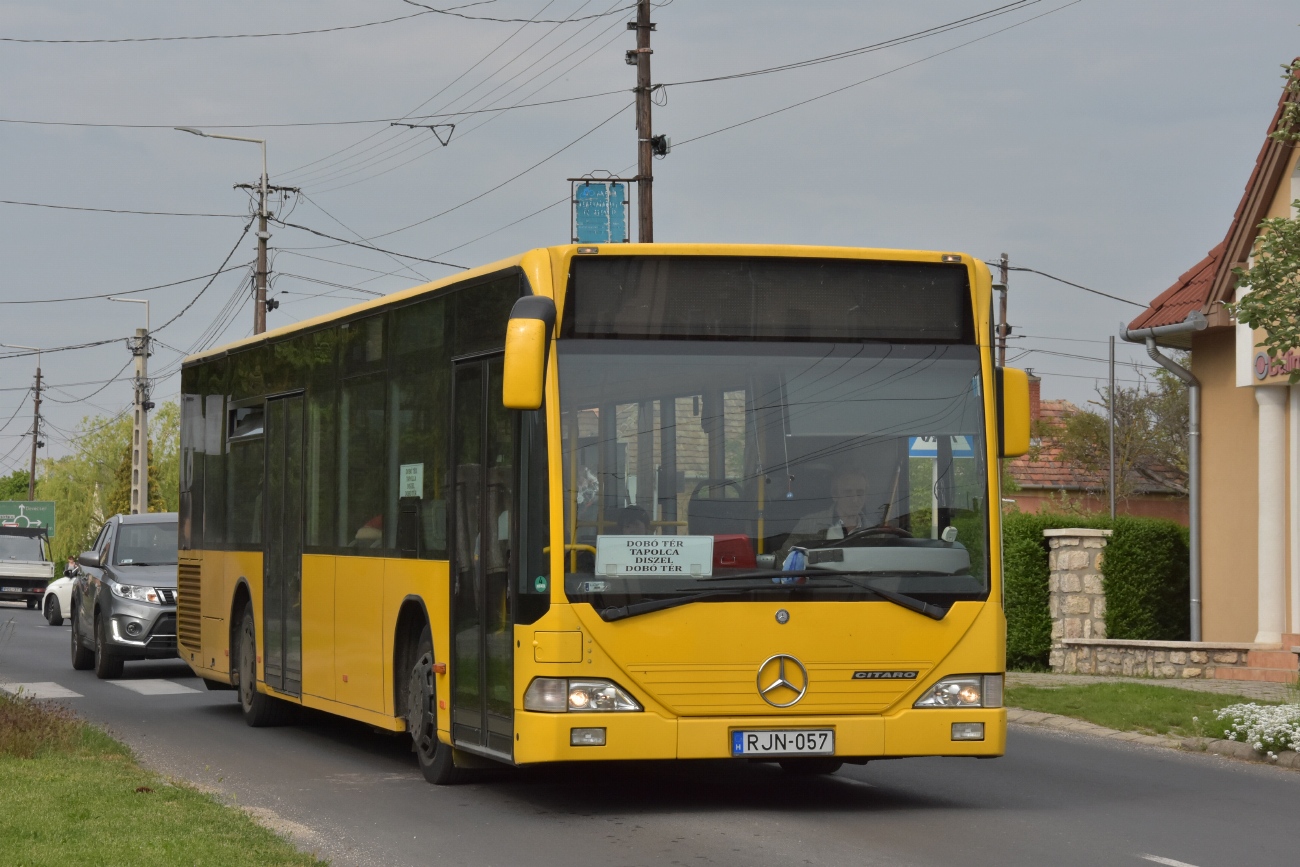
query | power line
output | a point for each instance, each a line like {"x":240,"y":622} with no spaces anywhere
{"x":517,"y":20}
{"x":116,"y":210}
{"x":75,"y":399}
{"x":426,"y":11}
{"x":359,"y":236}
{"x":874,"y":77}
{"x":1076,"y":285}
{"x":183,"y":310}
{"x":369,"y":246}
{"x":328,"y":283}
{"x":124,"y":291}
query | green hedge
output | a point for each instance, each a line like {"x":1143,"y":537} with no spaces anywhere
{"x":1144,"y":574}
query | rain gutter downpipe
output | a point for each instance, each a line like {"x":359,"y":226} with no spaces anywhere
{"x":1195,"y":321}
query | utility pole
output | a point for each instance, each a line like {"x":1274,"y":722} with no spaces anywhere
{"x":644,"y":155}
{"x":36,"y":419}
{"x":139,"y":347}
{"x":1004,"y":330}
{"x":1110,"y":403}
{"x":36,"y":433}
{"x":140,"y":425}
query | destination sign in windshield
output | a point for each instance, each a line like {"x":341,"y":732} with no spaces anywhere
{"x":654,"y":556}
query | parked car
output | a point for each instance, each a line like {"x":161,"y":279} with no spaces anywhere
{"x":58,"y":596}
{"x":25,"y":566}
{"x":123,"y":603}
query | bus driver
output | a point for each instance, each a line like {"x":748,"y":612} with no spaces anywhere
{"x":845,"y":516}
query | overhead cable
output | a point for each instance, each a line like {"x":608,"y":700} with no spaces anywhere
{"x":126,"y":291}
{"x":517,"y":20}
{"x":1075,"y":285}
{"x":365,"y":246}
{"x":183,"y":310}
{"x":117,"y":210}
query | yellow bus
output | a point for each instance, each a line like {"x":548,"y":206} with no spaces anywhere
{"x":666,"y":501}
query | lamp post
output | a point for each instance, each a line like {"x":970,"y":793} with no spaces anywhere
{"x":140,"y":419}
{"x":259,"y":308}
{"x":36,"y":419}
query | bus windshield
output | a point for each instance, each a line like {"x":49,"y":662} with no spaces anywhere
{"x":689,"y":462}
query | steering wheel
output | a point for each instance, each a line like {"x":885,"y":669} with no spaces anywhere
{"x":880,"y":530}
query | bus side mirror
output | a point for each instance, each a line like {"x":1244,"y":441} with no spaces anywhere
{"x":528,"y":338}
{"x":1013,"y":412}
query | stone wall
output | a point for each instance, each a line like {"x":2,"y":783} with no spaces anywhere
{"x":1076,"y":600}
{"x":1164,"y":659}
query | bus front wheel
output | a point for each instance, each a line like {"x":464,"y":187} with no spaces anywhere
{"x":260,"y":710}
{"x":434,"y":756}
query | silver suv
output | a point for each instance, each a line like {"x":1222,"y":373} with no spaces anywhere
{"x":124,"y":599}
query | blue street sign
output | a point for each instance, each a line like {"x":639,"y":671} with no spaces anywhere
{"x":928,"y":447}
{"x":600,"y":215}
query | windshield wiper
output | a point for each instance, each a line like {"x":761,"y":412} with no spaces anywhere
{"x":649,"y":606}
{"x":934,"y":612}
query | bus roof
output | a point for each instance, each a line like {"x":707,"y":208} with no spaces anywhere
{"x":562,"y":253}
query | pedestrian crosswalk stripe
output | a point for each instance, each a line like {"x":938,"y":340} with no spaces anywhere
{"x":153,"y":686}
{"x":41,"y":689}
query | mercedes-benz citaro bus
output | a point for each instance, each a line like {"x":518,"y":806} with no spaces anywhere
{"x":668,"y":501}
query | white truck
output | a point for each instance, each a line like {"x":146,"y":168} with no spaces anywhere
{"x":25,"y":565}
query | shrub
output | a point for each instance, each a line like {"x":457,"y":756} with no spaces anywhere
{"x":29,"y":727}
{"x":1024,"y":554}
{"x":1145,"y":576}
{"x":1267,"y":729}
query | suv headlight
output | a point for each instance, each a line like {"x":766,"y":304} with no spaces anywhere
{"x":964,"y":690}
{"x":137,"y":593}
{"x":558,"y":695}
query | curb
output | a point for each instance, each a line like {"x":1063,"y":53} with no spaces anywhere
{"x":1220,"y":747}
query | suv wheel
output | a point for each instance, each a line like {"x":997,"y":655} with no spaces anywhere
{"x":107,"y":666}
{"x":83,"y":658}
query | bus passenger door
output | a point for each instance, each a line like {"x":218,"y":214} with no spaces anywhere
{"x":282,"y":560}
{"x":484,"y":518}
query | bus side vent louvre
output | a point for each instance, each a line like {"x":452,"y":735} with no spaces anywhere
{"x":189,"y":624}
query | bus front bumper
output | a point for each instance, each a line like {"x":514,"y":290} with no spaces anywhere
{"x":544,"y":737}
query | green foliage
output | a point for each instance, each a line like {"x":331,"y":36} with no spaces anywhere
{"x":80,"y":482}
{"x":1130,"y":706}
{"x":14,"y":486}
{"x":1024,"y":556}
{"x":1145,"y":576}
{"x":119,"y":496}
{"x":1273,"y":302}
{"x":1288,"y":126}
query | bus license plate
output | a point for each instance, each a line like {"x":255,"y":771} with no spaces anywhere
{"x":783,"y":742}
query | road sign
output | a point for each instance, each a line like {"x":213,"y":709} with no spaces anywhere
{"x":27,"y":513}
{"x":928,"y":447}
{"x":600,"y":211}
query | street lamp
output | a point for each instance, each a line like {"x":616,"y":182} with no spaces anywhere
{"x":140,"y":418}
{"x":259,"y":308}
{"x":36,"y":418}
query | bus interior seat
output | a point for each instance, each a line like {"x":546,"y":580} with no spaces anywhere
{"x":718,"y":507}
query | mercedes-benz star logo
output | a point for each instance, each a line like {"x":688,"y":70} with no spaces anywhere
{"x":782,"y":677}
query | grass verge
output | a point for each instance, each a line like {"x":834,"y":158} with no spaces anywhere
{"x":1131,"y":707}
{"x":73,"y":795}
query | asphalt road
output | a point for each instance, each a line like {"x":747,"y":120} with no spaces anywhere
{"x":355,"y":796}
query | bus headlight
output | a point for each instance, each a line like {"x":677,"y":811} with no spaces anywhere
{"x":558,"y":695}
{"x":964,"y":690}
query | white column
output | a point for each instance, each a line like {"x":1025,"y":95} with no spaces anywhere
{"x":1272,"y":402}
{"x":1293,"y":476}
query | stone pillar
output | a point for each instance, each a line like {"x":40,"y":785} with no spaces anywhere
{"x":1076,"y":600}
{"x":1293,"y":482}
{"x":1271,"y":518}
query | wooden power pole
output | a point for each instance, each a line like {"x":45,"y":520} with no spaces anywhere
{"x":640,"y":56}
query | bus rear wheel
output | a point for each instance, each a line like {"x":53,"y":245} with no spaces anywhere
{"x":811,"y":766}
{"x":260,"y":710}
{"x":434,"y":757}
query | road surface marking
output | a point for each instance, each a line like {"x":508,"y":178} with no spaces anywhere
{"x":1169,"y":862}
{"x":153,"y":687}
{"x":43,"y":689}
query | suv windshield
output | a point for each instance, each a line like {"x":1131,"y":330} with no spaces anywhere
{"x":146,"y":545}
{"x":28,"y":548}
{"x":690,"y":462}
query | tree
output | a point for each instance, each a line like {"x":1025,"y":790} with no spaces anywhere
{"x":1273,"y":302}
{"x":118,"y":501}
{"x":14,"y":486}
{"x":80,"y":483}
{"x":1150,"y":435}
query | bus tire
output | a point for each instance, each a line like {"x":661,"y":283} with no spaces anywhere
{"x":83,"y":658}
{"x":433,"y":756}
{"x":809,"y":767}
{"x":107,"y":666}
{"x":260,"y":710}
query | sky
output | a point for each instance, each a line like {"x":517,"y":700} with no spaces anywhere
{"x":1106,"y":142}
